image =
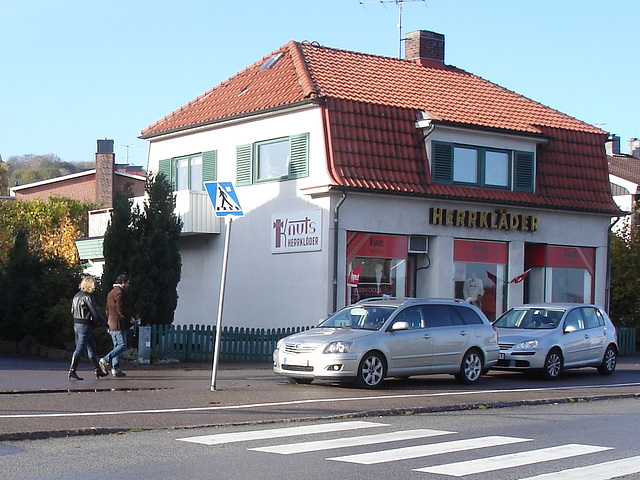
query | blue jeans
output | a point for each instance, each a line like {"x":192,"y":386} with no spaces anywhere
{"x":84,"y":340}
{"x":119,"y":339}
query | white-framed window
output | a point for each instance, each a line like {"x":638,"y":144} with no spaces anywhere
{"x":482,"y":166}
{"x":276,"y":159}
{"x":189,"y":172}
{"x":272,"y":159}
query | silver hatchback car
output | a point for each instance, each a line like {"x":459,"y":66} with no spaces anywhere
{"x":552,"y":337}
{"x":398,"y":337}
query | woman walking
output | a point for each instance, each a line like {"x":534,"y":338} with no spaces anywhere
{"x":85,"y":316}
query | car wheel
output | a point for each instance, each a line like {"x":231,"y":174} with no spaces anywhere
{"x":298,"y":380}
{"x":552,"y":365}
{"x":609,"y":361}
{"x":471,"y":368}
{"x":371,"y":371}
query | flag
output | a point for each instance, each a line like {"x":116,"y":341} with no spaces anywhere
{"x":521,"y":277}
{"x":354,"y":276}
{"x":492,"y":277}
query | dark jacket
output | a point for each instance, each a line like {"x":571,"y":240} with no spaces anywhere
{"x":85,"y":311}
{"x":118,"y":314}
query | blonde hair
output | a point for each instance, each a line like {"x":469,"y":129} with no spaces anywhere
{"x":88,"y":284}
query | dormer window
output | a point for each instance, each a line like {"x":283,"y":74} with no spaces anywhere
{"x":476,"y":166}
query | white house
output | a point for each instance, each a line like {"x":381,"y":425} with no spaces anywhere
{"x":362,"y":175}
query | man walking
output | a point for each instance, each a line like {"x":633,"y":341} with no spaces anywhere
{"x":119,"y":319}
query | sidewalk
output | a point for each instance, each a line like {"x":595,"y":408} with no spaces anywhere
{"x":38,"y":401}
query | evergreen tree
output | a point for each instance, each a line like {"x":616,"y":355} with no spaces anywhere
{"x":156,"y":264}
{"x":119,"y":242}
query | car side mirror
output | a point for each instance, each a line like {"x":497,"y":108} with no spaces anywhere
{"x":570,"y":329}
{"x":399,"y":326}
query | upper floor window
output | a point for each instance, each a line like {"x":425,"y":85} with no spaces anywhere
{"x":277,"y":159}
{"x":191,"y":171}
{"x":273,"y":159}
{"x":482,"y":166}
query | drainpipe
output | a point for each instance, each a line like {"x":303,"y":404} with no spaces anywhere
{"x":336,"y":239}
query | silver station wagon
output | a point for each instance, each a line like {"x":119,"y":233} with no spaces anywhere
{"x":398,"y":337}
{"x":552,"y":337}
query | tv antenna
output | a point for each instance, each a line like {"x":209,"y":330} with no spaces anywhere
{"x":399,"y":5}
{"x":127,"y":147}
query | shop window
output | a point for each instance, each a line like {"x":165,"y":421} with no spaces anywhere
{"x":483,"y":167}
{"x":559,"y":274}
{"x":376,"y":266}
{"x":191,"y":171}
{"x":480,"y":270}
{"x":273,"y":160}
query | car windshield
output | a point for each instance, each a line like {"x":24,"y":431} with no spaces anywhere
{"x":530,"y":318}
{"x":359,"y":316}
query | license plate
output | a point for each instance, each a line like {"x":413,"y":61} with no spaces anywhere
{"x":502,"y":356}
{"x":295,"y":361}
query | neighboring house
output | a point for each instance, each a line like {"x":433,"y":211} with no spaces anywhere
{"x":97,"y":186}
{"x":362,"y":175}
{"x":624,"y":175}
{"x":91,"y":186}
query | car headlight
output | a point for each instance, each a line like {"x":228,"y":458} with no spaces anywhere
{"x":528,"y":345}
{"x":338,"y":347}
{"x":279,"y":343}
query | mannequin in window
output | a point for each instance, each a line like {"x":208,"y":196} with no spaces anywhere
{"x":378,"y":269}
{"x":473,"y":290}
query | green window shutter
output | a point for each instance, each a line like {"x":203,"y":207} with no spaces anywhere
{"x":524,"y":178}
{"x":299,"y":156}
{"x":164,"y":166}
{"x":442,"y":162}
{"x":244,"y":172}
{"x":210,"y":166}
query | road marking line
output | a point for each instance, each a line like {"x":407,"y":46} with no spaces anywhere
{"x":428,"y":450}
{"x":351,"y":441}
{"x":279,"y":432}
{"x":307,"y":402}
{"x":481,"y":465}
{"x":600,"y":471}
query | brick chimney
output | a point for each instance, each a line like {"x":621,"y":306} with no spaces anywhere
{"x":424,"y":47}
{"x":105,"y":160}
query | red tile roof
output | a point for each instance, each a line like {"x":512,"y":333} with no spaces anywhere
{"x":626,"y":167}
{"x":361,"y":93}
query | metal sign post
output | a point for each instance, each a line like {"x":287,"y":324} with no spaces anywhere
{"x":223,"y":281}
{"x":226,"y":204}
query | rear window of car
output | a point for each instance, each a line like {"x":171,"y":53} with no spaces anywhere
{"x":469,"y":317}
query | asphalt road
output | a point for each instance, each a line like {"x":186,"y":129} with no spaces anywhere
{"x":37,"y":400}
{"x":592,"y":440}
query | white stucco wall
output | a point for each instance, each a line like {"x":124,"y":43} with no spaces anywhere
{"x":262,"y":289}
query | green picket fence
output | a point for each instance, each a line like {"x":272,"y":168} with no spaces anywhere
{"x":196,"y":342}
{"x":626,"y":340}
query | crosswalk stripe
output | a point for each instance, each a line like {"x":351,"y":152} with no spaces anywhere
{"x":428,"y":450}
{"x":280,"y":432}
{"x":600,"y":471}
{"x":351,"y":441}
{"x":500,"y":462}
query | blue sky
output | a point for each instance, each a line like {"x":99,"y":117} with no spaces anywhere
{"x":74,"y":71}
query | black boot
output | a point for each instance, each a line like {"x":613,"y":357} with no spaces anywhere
{"x":96,"y":366}
{"x":72,"y":369}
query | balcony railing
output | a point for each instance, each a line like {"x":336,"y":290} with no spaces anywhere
{"x":193,"y":208}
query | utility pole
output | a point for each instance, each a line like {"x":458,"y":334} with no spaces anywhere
{"x":399,"y":4}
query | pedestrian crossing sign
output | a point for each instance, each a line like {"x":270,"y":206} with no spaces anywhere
{"x":224,"y":199}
